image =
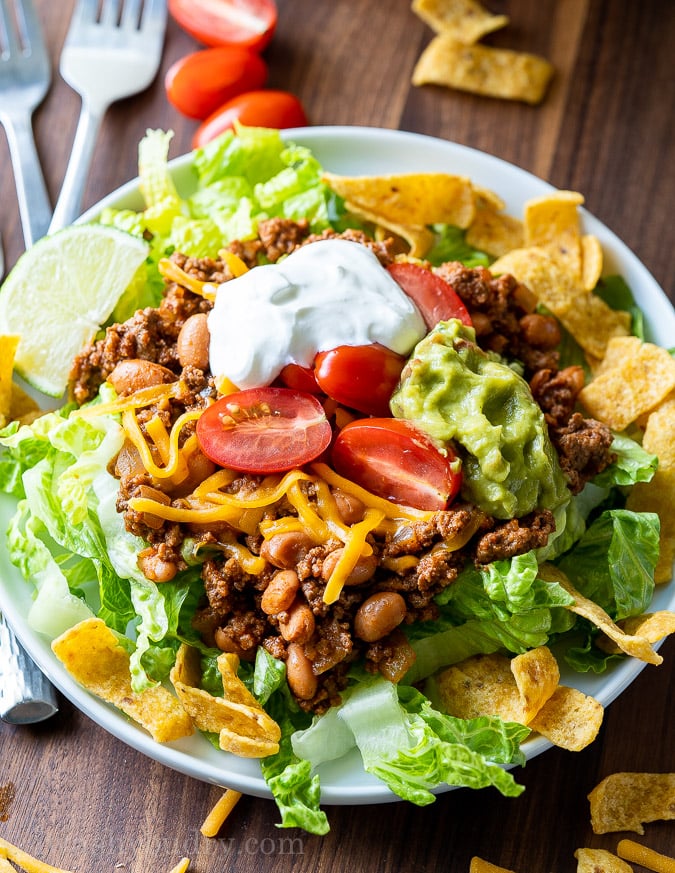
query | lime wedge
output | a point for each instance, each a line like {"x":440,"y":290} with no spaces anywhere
{"x":60,"y":292}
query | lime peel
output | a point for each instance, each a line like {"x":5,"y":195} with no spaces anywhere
{"x":60,"y":292}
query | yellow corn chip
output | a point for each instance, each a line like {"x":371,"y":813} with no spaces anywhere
{"x":92,"y":654}
{"x":537,"y":676}
{"x":411,"y":199}
{"x":591,"y":261}
{"x":634,"y":645}
{"x":8,"y":347}
{"x":600,"y":861}
{"x":552,"y":223}
{"x":466,"y":20}
{"x":626,"y":801}
{"x":586,"y":316}
{"x":618,"y":349}
{"x":653,"y":626}
{"x":478,"y":865}
{"x":494,"y":232}
{"x":419,"y":239}
{"x":620,"y":394}
{"x":481,"y":69}
{"x":659,"y":494}
{"x":237,"y":715}
{"x":569,"y":719}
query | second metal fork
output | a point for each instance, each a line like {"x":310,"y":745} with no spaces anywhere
{"x":113,"y":50}
{"x":25,"y":76}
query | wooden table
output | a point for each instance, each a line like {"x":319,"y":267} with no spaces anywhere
{"x":85,"y":801}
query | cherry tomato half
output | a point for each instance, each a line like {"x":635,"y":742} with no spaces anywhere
{"x":434,"y":297}
{"x":227,"y":22}
{"x":264,"y":430}
{"x":202,"y":81}
{"x":299,"y":378}
{"x":266,"y":108}
{"x":393,"y":459}
{"x":361,"y":377}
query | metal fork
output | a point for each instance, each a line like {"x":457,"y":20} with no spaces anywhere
{"x":112,"y":50}
{"x":25,"y":76}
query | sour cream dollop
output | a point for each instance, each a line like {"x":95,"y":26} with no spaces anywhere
{"x":325,"y":294}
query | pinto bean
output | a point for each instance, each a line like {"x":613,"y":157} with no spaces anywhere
{"x":363,"y":571}
{"x":280,"y":592}
{"x":133,"y":374}
{"x":154,"y":568}
{"x":285,"y":550}
{"x":299,"y":673}
{"x":199,"y":468}
{"x":481,"y":323}
{"x":193,"y":340}
{"x":379,"y":615}
{"x":540,"y":331}
{"x":351,"y":509}
{"x":299,"y":624}
{"x":226,"y":644}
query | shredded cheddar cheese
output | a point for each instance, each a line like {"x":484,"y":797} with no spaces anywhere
{"x":166,"y":444}
{"x":215,"y":819}
{"x":351,"y":553}
{"x":173,"y":273}
{"x":139,"y":399}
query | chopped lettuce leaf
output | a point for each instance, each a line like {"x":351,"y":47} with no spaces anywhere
{"x":450,"y":245}
{"x":633,"y":464}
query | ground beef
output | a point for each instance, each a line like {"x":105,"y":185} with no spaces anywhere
{"x":279,"y":236}
{"x":447,"y":524}
{"x":556,"y":392}
{"x":384,"y":250}
{"x":515,"y":537}
{"x":584,"y":448}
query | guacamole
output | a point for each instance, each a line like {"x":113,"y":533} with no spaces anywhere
{"x":453,"y":390}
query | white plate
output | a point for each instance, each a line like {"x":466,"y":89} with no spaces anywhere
{"x":346,"y":150}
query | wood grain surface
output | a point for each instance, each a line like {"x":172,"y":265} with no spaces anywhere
{"x":78,"y":798}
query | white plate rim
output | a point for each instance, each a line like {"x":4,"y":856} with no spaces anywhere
{"x":344,"y":149}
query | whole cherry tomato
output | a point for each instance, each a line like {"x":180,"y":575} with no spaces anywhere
{"x":202,"y":81}
{"x":361,"y":377}
{"x":266,"y":108}
{"x":227,"y":22}
{"x":393,"y":459}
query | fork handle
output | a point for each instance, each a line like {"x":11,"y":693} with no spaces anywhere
{"x":34,"y":206}
{"x":68,"y":205}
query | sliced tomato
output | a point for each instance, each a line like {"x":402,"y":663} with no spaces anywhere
{"x":434,"y":297}
{"x":299,"y":378}
{"x":264,"y":430}
{"x":266,"y":108}
{"x":361,"y":377}
{"x":227,"y":22}
{"x":202,"y":81}
{"x":394,"y":459}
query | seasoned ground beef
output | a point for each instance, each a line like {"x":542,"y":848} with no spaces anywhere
{"x":515,"y":537}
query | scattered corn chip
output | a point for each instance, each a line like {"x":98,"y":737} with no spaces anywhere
{"x":419,"y":239}
{"x":478,"y":865}
{"x":24,"y":860}
{"x":591,"y":261}
{"x":8,"y":347}
{"x":634,"y":645}
{"x":466,"y":20}
{"x":238,"y":718}
{"x":481,"y":69}
{"x":22,"y":407}
{"x":569,"y":719}
{"x":618,"y":349}
{"x":622,"y":393}
{"x":626,"y":801}
{"x":552,"y":223}
{"x":411,"y":199}
{"x":216,"y":818}
{"x":600,"y":861}
{"x":92,"y":654}
{"x":645,"y":857}
{"x":652,"y":626}
{"x":537,"y":675}
{"x":586,"y":316}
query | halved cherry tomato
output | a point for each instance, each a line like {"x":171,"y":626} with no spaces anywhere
{"x":361,"y":377}
{"x":264,"y":430}
{"x":202,"y":81}
{"x":393,"y":459}
{"x":266,"y":108}
{"x":434,"y":297}
{"x":227,"y":22}
{"x":299,"y":378}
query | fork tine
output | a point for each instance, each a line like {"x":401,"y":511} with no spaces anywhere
{"x":131,"y":15}
{"x":10,"y":35}
{"x":110,"y":13}
{"x":154,"y":14}
{"x":85,"y":12}
{"x":29,"y":24}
